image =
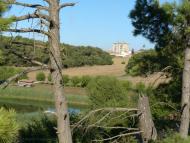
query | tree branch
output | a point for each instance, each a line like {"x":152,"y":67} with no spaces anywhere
{"x":48,"y":1}
{"x":104,"y":109}
{"x":28,"y":30}
{"x":66,"y":5}
{"x":26,"y":58}
{"x":28,"y":70}
{"x":30,"y":16}
{"x":38,"y":6}
{"x":118,"y":136}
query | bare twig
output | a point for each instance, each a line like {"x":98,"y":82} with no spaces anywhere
{"x":118,"y":136}
{"x":166,"y":104}
{"x":104,"y":109}
{"x":162,"y":74}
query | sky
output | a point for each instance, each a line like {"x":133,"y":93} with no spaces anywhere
{"x":98,"y":23}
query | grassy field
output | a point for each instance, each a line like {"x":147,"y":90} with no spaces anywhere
{"x":40,"y":96}
{"x":117,"y":70}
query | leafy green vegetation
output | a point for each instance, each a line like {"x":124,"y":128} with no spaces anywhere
{"x":40,"y":76}
{"x":41,"y":130}
{"x":9,"y":127}
{"x":174,"y":139}
{"x":4,"y":22}
{"x":39,"y":96}
{"x":72,"y":56}
{"x":144,"y":63}
{"x":6,"y":72}
{"x":106,"y":91}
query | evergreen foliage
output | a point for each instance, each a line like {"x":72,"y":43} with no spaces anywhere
{"x":9,"y":127}
{"x":40,"y":76}
{"x":72,"y":56}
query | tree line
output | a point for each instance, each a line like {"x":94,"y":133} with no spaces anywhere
{"x":14,"y":49}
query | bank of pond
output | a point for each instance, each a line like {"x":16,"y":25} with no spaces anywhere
{"x":33,"y":101}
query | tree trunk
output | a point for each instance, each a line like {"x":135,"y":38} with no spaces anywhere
{"x":184,"y":126}
{"x":146,"y":124}
{"x":63,"y":123}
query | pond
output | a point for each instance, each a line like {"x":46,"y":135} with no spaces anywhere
{"x":32,"y":102}
{"x":25,"y":107}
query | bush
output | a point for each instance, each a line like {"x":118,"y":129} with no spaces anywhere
{"x":75,"y":81}
{"x":80,"y":56}
{"x":49,"y":77}
{"x":40,"y":76}
{"x":7,"y":72}
{"x":174,"y":139}
{"x":8,"y":126}
{"x":39,"y":131}
{"x":74,"y":55}
{"x":144,"y":63}
{"x":107,"y":91}
{"x":123,"y":62}
{"x":66,"y":79}
{"x":85,"y":80}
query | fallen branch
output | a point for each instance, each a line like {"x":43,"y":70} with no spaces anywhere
{"x":118,"y":136}
{"x":28,"y":70}
{"x":104,"y":109}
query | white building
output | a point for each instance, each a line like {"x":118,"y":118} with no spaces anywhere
{"x":120,"y":49}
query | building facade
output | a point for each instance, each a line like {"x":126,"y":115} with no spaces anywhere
{"x":120,"y":49}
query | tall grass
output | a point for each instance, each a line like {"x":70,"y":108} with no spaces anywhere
{"x":40,"y":95}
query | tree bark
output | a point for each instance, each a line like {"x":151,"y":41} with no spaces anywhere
{"x":146,"y":124}
{"x":184,"y":126}
{"x":63,"y":123}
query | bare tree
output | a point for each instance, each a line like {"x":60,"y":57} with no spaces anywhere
{"x":49,"y":18}
{"x":146,"y":124}
{"x":184,"y":126}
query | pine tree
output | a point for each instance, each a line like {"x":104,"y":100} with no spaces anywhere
{"x":168,"y":26}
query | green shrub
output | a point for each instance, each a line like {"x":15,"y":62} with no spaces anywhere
{"x":66,"y":79}
{"x":7,"y":72}
{"x":123,"y":62}
{"x":75,"y":80}
{"x":40,"y":76}
{"x":144,"y":63}
{"x":85,"y":80}
{"x":126,"y":84}
{"x":74,"y":56}
{"x":39,"y":131}
{"x":8,"y":126}
{"x":174,"y":139}
{"x":49,"y":77}
{"x":107,"y":91}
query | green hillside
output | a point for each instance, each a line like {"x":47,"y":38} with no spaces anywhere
{"x":16,"y":52}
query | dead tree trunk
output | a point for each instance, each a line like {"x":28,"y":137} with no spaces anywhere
{"x":63,"y":123}
{"x":184,"y":126}
{"x":146,"y":124}
{"x":50,"y":26}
